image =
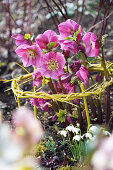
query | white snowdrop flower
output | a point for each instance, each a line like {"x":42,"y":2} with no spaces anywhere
{"x":63,"y":133}
{"x":75,"y":130}
{"x":77,"y":138}
{"x":94,"y":130}
{"x":94,"y":138}
{"x":70,"y":128}
{"x":106,"y":133}
{"x":87,"y":135}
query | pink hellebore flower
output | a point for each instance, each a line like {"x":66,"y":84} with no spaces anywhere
{"x":27,"y":127}
{"x":31,"y":55}
{"x":75,"y":66}
{"x":92,"y":45}
{"x":37,"y":78}
{"x":47,"y":40}
{"x":42,"y":103}
{"x":52,"y":65}
{"x":83,"y":74}
{"x":21,"y":39}
{"x":67,"y":40}
{"x":66,"y":78}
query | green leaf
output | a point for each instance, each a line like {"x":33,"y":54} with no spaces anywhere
{"x":62,"y":115}
{"x":78,"y":31}
{"x":69,"y":38}
{"x":51,"y":45}
{"x":91,"y":59}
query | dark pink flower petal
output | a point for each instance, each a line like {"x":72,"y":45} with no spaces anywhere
{"x":31,"y":55}
{"x":67,"y":39}
{"x":52,"y":65}
{"x":37,"y":78}
{"x":35,"y":102}
{"x":69,"y":119}
{"x":92,"y":45}
{"x":77,"y":101}
{"x":54,"y":118}
{"x":98,"y":77}
{"x":42,"y":41}
{"x":83,"y":74}
{"x":47,"y":39}
{"x":20,"y":40}
{"x":75,"y":66}
{"x":18,"y":37}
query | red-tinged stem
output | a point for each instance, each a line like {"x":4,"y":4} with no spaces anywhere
{"x":51,"y":86}
{"x":52,"y":11}
{"x":69,"y":106}
{"x":24,"y":15}
{"x":64,"y":8}
{"x":60,"y":10}
{"x":99,"y":115}
{"x":30,"y":17}
{"x":81,"y":14}
{"x":107,"y":107}
{"x":80,"y":119}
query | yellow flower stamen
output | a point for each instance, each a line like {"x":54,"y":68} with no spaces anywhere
{"x":53,"y":65}
{"x":31,"y":53}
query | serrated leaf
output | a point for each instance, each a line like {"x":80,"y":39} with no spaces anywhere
{"x":51,"y":45}
{"x":62,"y":115}
{"x":91,"y":59}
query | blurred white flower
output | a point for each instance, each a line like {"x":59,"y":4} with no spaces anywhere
{"x":14,"y":143}
{"x":103,"y":157}
{"x":88,"y":135}
{"x":63,"y":133}
{"x":27,"y":128}
{"x":94,"y":130}
{"x":10,"y":150}
{"x":28,"y":163}
{"x":106,"y":133}
{"x":77,"y":138}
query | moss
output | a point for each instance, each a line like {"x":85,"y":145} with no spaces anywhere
{"x":41,"y":148}
{"x":79,"y":166}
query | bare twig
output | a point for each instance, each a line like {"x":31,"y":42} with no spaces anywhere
{"x":99,"y":22}
{"x":83,"y":4}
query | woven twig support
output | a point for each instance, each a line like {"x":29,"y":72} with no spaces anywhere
{"x":95,"y":90}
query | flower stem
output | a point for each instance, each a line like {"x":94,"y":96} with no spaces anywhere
{"x":69,"y":106}
{"x":85,"y":104}
{"x":99,"y":115}
{"x":89,"y":97}
{"x":51,"y":86}
{"x":80,"y":119}
{"x":18,"y":100}
{"x":35,"y":108}
{"x":107,"y":105}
